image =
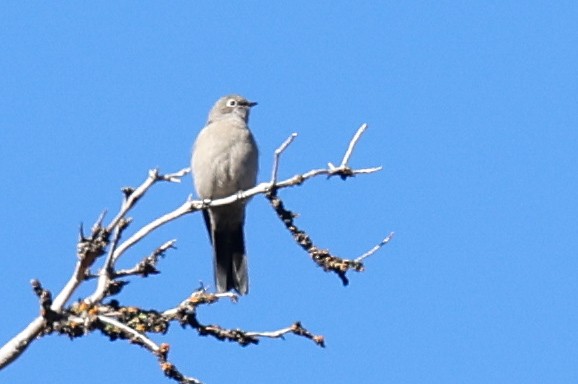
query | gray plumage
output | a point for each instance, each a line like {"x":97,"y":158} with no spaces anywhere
{"x":224,"y":162}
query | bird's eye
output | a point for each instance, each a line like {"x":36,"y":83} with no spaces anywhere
{"x":231,"y":103}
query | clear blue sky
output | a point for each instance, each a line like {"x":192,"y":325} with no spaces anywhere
{"x":473,"y":113}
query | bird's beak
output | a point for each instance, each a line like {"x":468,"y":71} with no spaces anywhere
{"x":252,"y":103}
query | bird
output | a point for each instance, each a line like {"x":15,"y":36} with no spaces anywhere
{"x":225,"y":161}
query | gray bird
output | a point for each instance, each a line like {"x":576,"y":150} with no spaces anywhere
{"x":224,"y":162}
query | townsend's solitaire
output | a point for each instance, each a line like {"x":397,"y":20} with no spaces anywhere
{"x":225,"y":161}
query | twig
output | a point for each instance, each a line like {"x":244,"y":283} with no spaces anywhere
{"x":161,"y":351}
{"x":322,"y":257}
{"x":176,"y":177}
{"x":134,"y":335}
{"x":296,"y":329}
{"x":198,"y":297}
{"x":106,"y":272}
{"x":133,"y":195}
{"x":148,"y":264}
{"x":343,"y":172}
{"x":87,"y":251}
{"x":187,"y":207}
{"x":277,"y":154}
{"x":375,"y":249}
{"x":352,"y":144}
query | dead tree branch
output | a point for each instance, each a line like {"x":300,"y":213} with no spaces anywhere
{"x":134,"y":324}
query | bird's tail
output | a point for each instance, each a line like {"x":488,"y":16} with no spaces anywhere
{"x":230,"y":261}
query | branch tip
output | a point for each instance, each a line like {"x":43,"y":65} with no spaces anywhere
{"x":352,"y":144}
{"x":375,"y":248}
{"x":277,"y":155}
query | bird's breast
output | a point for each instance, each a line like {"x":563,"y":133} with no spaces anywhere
{"x":225,"y":163}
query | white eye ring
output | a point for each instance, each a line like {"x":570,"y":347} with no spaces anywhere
{"x":231,"y":103}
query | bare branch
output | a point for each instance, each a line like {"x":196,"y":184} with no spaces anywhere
{"x":133,"y":335}
{"x":322,"y":257}
{"x":296,"y":329}
{"x":197,"y":298}
{"x":87,"y":252}
{"x":133,"y":195}
{"x":187,"y":207}
{"x":161,"y":351}
{"x":18,"y":344}
{"x":352,"y":144}
{"x":176,"y":177}
{"x":147,"y":266}
{"x":244,"y":338}
{"x":375,"y":249}
{"x":277,"y":154}
{"x":343,"y":170}
{"x":133,"y":323}
{"x":105,"y":273}
{"x":186,"y":314}
{"x":336,"y":171}
{"x":191,"y":206}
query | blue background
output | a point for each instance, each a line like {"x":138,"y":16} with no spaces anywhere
{"x":472,"y":112}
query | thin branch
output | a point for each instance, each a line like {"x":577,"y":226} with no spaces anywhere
{"x":343,"y":172}
{"x":133,"y":195}
{"x":277,"y":154}
{"x":352,"y":144}
{"x":147,"y":266}
{"x":161,"y":351}
{"x":186,"y":208}
{"x":186,"y":314}
{"x":296,"y":329}
{"x":87,"y":252}
{"x":198,"y":297}
{"x":244,"y":338}
{"x":105,"y":273}
{"x":191,"y":206}
{"x":322,"y":257}
{"x":375,"y":249}
{"x":176,"y":177}
{"x":134,"y":335}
